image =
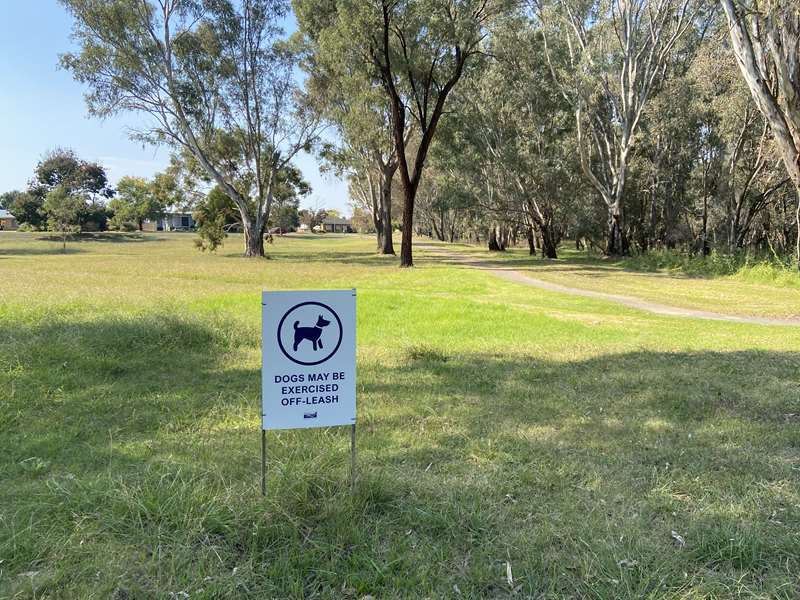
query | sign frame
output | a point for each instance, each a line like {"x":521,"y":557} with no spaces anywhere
{"x":292,"y":354}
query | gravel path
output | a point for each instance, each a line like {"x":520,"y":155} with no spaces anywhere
{"x":653,"y":307}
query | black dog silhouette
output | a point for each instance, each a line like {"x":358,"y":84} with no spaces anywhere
{"x":309,"y":333}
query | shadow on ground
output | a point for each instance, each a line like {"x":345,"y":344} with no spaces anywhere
{"x":132,"y":452}
{"x":569,"y":263}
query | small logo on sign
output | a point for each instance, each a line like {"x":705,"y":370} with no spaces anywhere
{"x":310,"y":415}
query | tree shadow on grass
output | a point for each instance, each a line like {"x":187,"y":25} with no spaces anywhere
{"x":120,"y":237}
{"x":357,"y":258}
{"x":145,"y":432}
{"x":368,"y":259}
{"x":40,"y":251}
{"x":570,"y":264}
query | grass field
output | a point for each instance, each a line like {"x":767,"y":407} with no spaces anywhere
{"x":502,"y":430}
{"x":758,"y":290}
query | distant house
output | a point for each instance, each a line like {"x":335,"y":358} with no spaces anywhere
{"x":172,"y":221}
{"x":7,"y":220}
{"x":337,"y":225}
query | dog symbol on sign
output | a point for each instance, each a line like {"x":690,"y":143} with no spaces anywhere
{"x":301,"y":331}
{"x":312,"y":334}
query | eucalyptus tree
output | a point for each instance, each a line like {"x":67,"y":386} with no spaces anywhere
{"x":766,"y":40}
{"x":517,"y":145}
{"x":416,"y":51}
{"x":609,"y":58}
{"x":750,"y":178}
{"x":347,"y":95}
{"x":673,"y":139}
{"x":421,"y":49}
{"x":445,"y":202}
{"x":215,"y":79}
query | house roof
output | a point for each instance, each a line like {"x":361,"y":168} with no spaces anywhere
{"x":335,"y":221}
{"x":4,"y":214}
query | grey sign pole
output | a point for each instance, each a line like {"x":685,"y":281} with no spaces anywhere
{"x":263,"y":462}
{"x":352,"y":457}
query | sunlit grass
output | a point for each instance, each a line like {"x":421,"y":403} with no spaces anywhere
{"x":497,"y":424}
{"x":757,"y":289}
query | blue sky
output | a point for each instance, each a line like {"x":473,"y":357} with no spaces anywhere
{"x":42,"y":108}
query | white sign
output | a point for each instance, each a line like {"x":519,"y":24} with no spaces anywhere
{"x":308,"y":374}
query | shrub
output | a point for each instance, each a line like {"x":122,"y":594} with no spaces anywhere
{"x":771,"y":269}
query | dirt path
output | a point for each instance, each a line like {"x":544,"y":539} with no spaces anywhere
{"x":510,"y":274}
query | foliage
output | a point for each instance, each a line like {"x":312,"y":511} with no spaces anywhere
{"x":362,"y":221}
{"x":26,"y":207}
{"x":211,"y":217}
{"x":313,"y":217}
{"x":135,"y":202}
{"x":63,"y":168}
{"x":216,"y":78}
{"x":286,"y":217}
{"x":747,"y":267}
{"x":63,"y":208}
{"x":210,"y":229}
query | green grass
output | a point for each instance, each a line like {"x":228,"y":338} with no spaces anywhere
{"x":718,"y":283}
{"x":498,"y":424}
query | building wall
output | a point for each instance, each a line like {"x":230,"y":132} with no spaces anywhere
{"x":8,"y":224}
{"x":336,"y":227}
{"x":169,"y":223}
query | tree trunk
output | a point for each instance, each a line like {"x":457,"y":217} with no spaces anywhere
{"x":439,"y":235}
{"x":797,"y":224}
{"x":706,"y":250}
{"x":253,"y":241}
{"x":387,"y":245}
{"x":531,"y":240}
{"x":496,"y":241}
{"x":378,"y":234}
{"x":406,"y":259}
{"x":492,"y":242}
{"x":502,"y":237}
{"x":548,"y":242}
{"x":617,"y":241}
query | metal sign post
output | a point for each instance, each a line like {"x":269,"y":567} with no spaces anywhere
{"x":308,"y":372}
{"x":353,"y":457}
{"x":263,"y":462}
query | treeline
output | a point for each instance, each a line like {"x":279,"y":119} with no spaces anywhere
{"x":626,"y":125}
{"x":69,"y":195}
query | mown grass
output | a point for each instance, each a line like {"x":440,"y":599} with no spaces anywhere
{"x":498,"y":425}
{"x":717,"y":283}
